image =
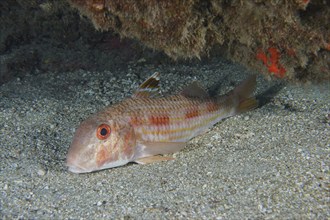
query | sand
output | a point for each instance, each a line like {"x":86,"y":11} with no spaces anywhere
{"x":270,"y":163}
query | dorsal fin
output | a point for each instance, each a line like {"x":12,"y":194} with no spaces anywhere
{"x":194,"y":90}
{"x":149,"y":88}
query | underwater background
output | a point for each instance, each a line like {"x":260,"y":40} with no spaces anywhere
{"x":59,"y":64}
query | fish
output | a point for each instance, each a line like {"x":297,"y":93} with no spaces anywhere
{"x":147,"y":125}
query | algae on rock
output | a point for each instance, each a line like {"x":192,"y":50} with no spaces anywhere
{"x":287,"y":39}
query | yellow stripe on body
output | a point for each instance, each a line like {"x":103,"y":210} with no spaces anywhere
{"x":183,"y":124}
{"x":185,"y":131}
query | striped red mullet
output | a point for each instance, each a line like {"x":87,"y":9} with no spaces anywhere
{"x":145,"y":126}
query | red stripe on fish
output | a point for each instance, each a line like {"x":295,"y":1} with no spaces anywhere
{"x":192,"y":114}
{"x":159,"y":120}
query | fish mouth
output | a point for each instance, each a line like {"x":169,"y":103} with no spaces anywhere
{"x":75,"y":164}
{"x":76,"y":169}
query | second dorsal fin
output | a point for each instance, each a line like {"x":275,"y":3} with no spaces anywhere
{"x":149,"y":88}
{"x":194,"y":90}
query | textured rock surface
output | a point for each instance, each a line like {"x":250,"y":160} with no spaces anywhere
{"x":284,"y":38}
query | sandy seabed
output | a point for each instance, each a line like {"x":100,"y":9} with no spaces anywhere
{"x":272,"y":162}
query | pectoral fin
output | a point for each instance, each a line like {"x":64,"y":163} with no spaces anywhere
{"x":147,"y":149}
{"x":153,"y":159}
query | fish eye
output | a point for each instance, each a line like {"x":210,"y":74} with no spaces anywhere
{"x":103,"y":131}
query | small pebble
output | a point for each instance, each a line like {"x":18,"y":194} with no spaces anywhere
{"x":41,"y":172}
{"x":99,"y":203}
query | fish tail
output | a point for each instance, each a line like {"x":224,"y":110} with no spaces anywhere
{"x":244,"y":94}
{"x":240,"y":99}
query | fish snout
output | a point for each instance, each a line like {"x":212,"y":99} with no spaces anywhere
{"x":76,"y":166}
{"x":71,"y":163}
{"x":78,"y":163}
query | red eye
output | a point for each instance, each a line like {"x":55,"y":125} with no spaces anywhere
{"x":103,"y":131}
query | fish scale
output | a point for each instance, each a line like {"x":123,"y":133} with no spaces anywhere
{"x":179,"y":128}
{"x":144,"y":126}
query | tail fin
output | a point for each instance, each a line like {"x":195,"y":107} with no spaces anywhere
{"x":244,"y":94}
